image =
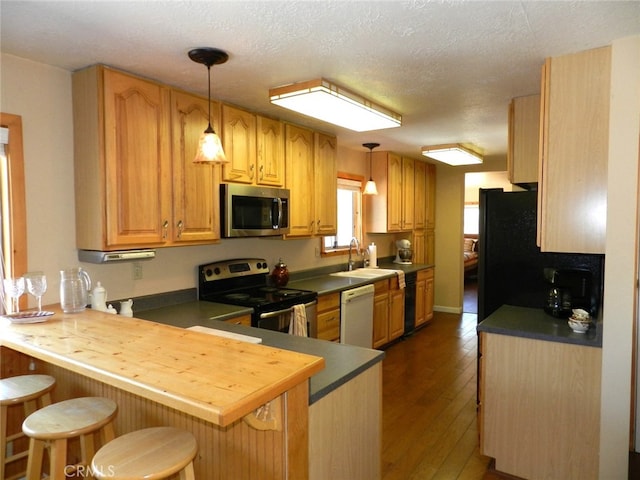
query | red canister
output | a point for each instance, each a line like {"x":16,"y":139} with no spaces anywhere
{"x":280,"y":274}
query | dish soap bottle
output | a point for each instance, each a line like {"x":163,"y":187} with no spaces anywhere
{"x":280,"y":274}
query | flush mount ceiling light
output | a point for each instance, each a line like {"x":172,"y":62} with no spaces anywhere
{"x":209,"y":147}
{"x":453,"y":153}
{"x":328,"y":102}
{"x":370,"y":188}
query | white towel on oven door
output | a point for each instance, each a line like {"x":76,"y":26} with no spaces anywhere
{"x":298,"y":322}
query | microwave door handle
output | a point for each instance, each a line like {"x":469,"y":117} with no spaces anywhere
{"x":279,"y":222}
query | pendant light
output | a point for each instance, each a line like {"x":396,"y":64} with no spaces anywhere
{"x":209,"y":147}
{"x":370,"y":188}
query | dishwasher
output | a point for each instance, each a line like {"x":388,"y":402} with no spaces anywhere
{"x":356,"y":316}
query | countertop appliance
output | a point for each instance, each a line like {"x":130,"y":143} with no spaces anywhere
{"x":253,"y":211}
{"x":356,"y":316}
{"x":244,"y":282}
{"x":404,"y":253}
{"x":511,"y":265}
{"x":569,"y":289}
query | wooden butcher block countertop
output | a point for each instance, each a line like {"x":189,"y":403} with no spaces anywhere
{"x":217,"y":379}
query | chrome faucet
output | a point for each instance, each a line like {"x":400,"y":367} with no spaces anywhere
{"x":352,"y":262}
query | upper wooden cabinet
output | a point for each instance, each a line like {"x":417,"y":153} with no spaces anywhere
{"x":431,"y":196}
{"x":392,"y":210}
{"x":239,"y":143}
{"x":311,"y":177}
{"x":574,"y":142}
{"x":128,"y":179}
{"x":524,"y":137}
{"x":270,"y":143}
{"x":420,"y":190}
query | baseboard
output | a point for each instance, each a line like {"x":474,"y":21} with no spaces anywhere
{"x":444,"y":309}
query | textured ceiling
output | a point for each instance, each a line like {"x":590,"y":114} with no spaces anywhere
{"x":449,"y":68}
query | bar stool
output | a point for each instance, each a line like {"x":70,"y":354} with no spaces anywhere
{"x":149,"y":454}
{"x":54,"y":425}
{"x":33,"y":392}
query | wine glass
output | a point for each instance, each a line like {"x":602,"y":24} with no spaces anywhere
{"x":36,"y":285}
{"x":14,"y":288}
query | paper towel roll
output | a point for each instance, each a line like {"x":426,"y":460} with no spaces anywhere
{"x":373,"y":255}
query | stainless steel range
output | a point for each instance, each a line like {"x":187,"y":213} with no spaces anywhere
{"x":244,"y":282}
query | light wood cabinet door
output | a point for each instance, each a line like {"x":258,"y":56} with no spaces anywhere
{"x":270,"y":145}
{"x":408,"y":193}
{"x":326,"y":185}
{"x":429,"y":294}
{"x":196,"y":203}
{"x":420,"y":196}
{"x":381,"y":313}
{"x":396,"y":310}
{"x":419,"y":246}
{"x":394,"y":193}
{"x":574,"y":142}
{"x":328,"y":317}
{"x":239,"y":143}
{"x":122,"y":160}
{"x":299,"y":150}
{"x":431,"y":196}
{"x":421,"y":302}
{"x":523,"y":140}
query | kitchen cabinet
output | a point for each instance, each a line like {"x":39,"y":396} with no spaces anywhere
{"x":574,"y":142}
{"x":380,"y":313}
{"x":424,"y":297}
{"x":420,"y":198}
{"x":328,"y":317}
{"x":241,"y":320}
{"x":419,"y":246}
{"x":539,"y":406}
{"x":523,"y":140}
{"x":311,"y":177}
{"x":239,"y":143}
{"x":270,"y":144}
{"x":392,"y":210}
{"x":396,"y":309}
{"x":135,"y":183}
{"x":431,"y":196}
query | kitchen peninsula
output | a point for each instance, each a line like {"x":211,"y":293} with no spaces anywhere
{"x":159,"y":374}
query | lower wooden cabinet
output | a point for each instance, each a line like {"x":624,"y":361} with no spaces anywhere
{"x":424,"y":297}
{"x":328,"y":319}
{"x":539,"y":407}
{"x":396,"y":309}
{"x":380,"y":313}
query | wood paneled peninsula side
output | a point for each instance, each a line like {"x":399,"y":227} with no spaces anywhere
{"x":539,"y":394}
{"x":163,"y":375}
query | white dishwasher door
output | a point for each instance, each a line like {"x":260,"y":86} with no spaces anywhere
{"x":356,"y":316}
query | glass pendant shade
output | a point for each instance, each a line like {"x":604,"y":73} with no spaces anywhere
{"x":370,"y":188}
{"x":210,"y":148}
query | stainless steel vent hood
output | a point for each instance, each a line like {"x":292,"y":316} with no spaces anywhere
{"x":95,"y":256}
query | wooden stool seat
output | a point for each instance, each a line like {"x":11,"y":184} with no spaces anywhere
{"x":33,"y":392}
{"x":53,"y":425}
{"x":149,"y":454}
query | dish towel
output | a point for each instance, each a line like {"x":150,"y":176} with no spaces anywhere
{"x":401,"y":281}
{"x":298,"y":322}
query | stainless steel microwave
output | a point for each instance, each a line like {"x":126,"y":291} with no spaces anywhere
{"x":252,"y":211}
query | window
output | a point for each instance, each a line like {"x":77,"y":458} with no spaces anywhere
{"x":349,"y":215}
{"x":13,"y":216}
{"x":471,"y":218}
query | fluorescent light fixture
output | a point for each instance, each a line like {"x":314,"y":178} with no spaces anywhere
{"x":453,"y":154}
{"x":328,"y":102}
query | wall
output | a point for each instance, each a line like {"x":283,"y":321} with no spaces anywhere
{"x":473,"y":181}
{"x":620,"y":292}
{"x":41,"y":94}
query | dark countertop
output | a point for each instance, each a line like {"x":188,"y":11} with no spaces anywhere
{"x":534,"y":323}
{"x":342,"y":362}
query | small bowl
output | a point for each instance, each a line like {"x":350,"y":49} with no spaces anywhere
{"x":579,"y":326}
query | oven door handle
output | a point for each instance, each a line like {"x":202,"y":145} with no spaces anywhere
{"x":286,"y":310}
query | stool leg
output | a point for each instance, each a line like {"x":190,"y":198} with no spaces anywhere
{"x":3,"y":438}
{"x":34,"y":462}
{"x":108,"y":433}
{"x":58,"y":459}
{"x":187,"y":472}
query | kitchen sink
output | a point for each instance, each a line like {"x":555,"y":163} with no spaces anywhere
{"x":368,"y":273}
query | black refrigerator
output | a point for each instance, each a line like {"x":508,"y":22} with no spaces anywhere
{"x":510,"y":264}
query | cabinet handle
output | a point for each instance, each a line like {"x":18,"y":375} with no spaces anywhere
{"x":261,"y":172}
{"x":180,"y":228}
{"x":165,"y":229}
{"x":252,"y":171}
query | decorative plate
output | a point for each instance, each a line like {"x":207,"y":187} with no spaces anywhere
{"x":28,"y":317}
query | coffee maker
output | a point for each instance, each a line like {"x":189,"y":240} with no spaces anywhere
{"x":570,"y":288}
{"x":404,"y":253}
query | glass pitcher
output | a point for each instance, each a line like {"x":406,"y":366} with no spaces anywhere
{"x":74,"y":289}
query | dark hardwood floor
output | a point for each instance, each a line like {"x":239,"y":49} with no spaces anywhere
{"x":429,"y":404}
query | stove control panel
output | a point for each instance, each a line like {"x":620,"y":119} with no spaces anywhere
{"x":239,"y":267}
